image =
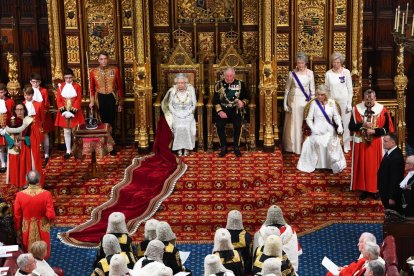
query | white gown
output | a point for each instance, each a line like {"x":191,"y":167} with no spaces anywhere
{"x":340,"y":84}
{"x":182,"y":106}
{"x":292,"y":129}
{"x":322,"y":150}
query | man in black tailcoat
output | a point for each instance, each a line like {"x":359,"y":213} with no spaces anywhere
{"x":390,"y":174}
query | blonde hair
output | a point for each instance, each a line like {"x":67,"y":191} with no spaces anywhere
{"x":38,"y":249}
{"x":324,"y":90}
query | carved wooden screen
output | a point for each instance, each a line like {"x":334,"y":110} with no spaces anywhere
{"x":205,"y":23}
{"x":318,"y":28}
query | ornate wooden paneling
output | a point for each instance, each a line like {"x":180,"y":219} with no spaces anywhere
{"x":24,"y":32}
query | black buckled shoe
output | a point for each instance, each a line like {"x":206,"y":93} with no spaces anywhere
{"x":364,"y":195}
{"x":66,"y":156}
{"x":223,"y":152}
{"x":3,"y":169}
{"x":113,"y":152}
{"x":237,"y":152}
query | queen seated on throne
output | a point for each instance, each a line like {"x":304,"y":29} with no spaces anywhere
{"x":178,"y":106}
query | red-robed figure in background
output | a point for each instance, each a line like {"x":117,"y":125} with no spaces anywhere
{"x":369,"y":122}
{"x":37,"y":112}
{"x":41,"y":96}
{"x":6,"y":107}
{"x":69,"y":100}
{"x":33,"y":211}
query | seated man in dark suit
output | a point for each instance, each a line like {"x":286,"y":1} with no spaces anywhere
{"x":390,"y":174}
{"x":408,"y":188}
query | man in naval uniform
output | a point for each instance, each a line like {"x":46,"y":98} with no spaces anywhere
{"x":230,"y":99}
{"x":106,"y":91}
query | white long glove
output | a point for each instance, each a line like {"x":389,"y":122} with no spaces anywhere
{"x":340,"y":130}
{"x":68,"y":114}
{"x":285,"y":103}
{"x":2,"y":131}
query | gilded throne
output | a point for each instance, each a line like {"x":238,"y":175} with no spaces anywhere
{"x":244,"y":72}
{"x":181,"y":62}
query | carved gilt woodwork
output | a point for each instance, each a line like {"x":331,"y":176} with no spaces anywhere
{"x":311,"y":22}
{"x":250,"y":15}
{"x":205,"y":11}
{"x":100,"y":26}
{"x":71,"y":14}
{"x":340,"y":12}
{"x":283,"y":13}
{"x":282,"y":46}
{"x":339,"y":43}
{"x":73,"y":49}
{"x":161,"y":12}
{"x":127,"y":13}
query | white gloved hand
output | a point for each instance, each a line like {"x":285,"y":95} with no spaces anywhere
{"x":2,"y":131}
{"x":285,"y":104}
{"x":68,"y":114}
{"x":340,"y":130}
{"x":348,"y":109}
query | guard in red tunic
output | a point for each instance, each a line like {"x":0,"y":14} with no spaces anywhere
{"x":369,"y":122}
{"x":41,"y":96}
{"x":33,"y":211}
{"x":106,"y":91}
{"x":69,"y":100}
{"x":37,"y":112}
{"x":6,"y":107}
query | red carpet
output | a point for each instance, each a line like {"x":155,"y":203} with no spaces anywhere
{"x":147,"y":182}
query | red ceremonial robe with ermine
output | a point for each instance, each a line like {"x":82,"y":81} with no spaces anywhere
{"x":367,"y":156}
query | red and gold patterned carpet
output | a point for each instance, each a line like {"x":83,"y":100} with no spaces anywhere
{"x":213,"y":186}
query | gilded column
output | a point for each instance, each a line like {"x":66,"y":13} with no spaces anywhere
{"x":268,"y":84}
{"x":400,"y":82}
{"x":142,"y":73}
{"x":54,"y":38}
{"x":13,"y":86}
{"x":356,"y":49}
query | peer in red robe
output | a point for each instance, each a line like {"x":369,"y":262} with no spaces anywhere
{"x":6,"y":107}
{"x":367,"y":147}
{"x":41,"y":95}
{"x":37,"y":112}
{"x":356,"y":268}
{"x":33,"y":211}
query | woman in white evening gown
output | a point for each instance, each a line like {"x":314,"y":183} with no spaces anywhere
{"x":178,"y":106}
{"x":300,"y":88}
{"x":339,"y":81}
{"x":322,"y":150}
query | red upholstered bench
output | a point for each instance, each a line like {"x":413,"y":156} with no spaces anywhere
{"x":389,"y":254}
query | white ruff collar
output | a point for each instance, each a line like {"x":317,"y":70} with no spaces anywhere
{"x":377,"y":108}
{"x":3,"y":108}
{"x":37,"y":95}
{"x":68,"y":91}
{"x":30,"y":108}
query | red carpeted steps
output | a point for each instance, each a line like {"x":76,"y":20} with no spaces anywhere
{"x":213,"y":186}
{"x":210,"y":188}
